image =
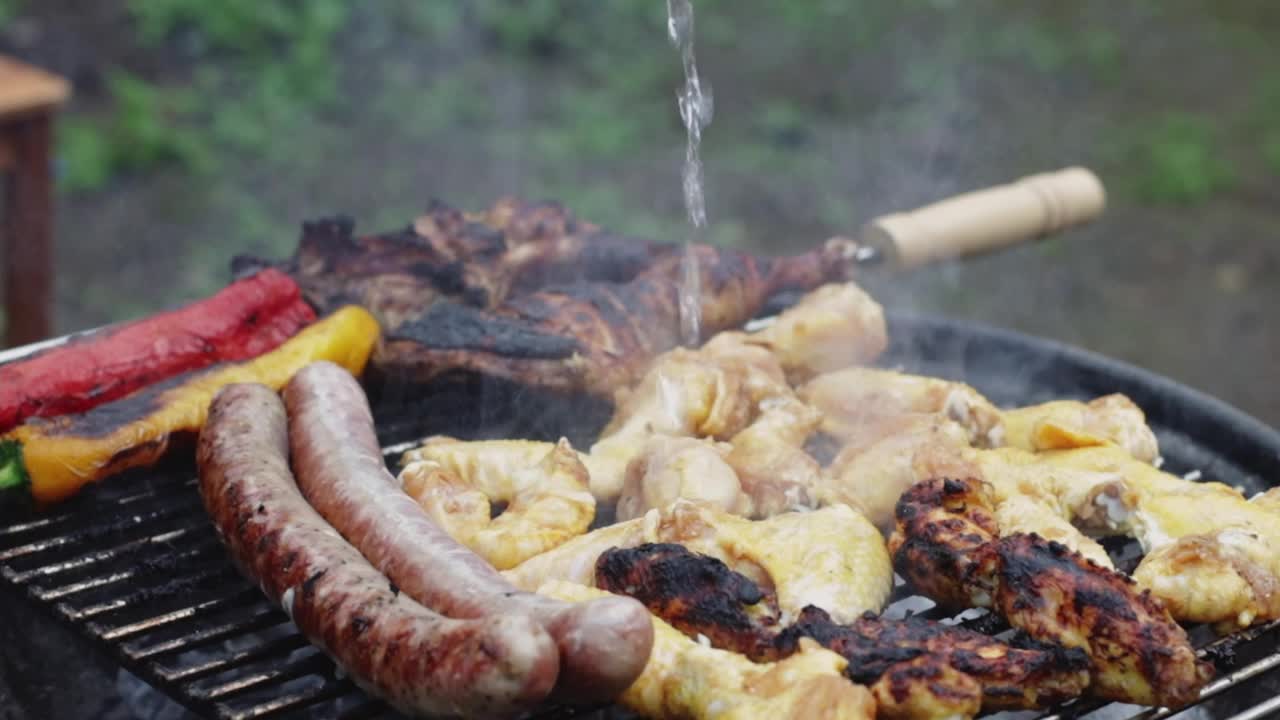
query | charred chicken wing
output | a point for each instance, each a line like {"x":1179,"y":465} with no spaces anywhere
{"x":916,"y":669}
{"x":947,"y":545}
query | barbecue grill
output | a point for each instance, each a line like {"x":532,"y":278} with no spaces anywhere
{"x":133,"y":565}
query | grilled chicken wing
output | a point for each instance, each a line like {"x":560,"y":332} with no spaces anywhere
{"x":873,"y":470}
{"x":730,"y":389}
{"x":830,"y":328}
{"x":1063,"y":424}
{"x":855,"y":400}
{"x":947,"y":545}
{"x":671,"y":468}
{"x":488,"y":462}
{"x":683,"y":395}
{"x":916,"y":669}
{"x":546,"y":503}
{"x":831,"y":558}
{"x":1212,"y":555}
{"x":689,"y":680}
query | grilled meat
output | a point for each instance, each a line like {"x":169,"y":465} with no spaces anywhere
{"x":872,"y":470}
{"x":885,"y":458}
{"x":1212,"y":555}
{"x":924,"y":668}
{"x":734,"y":389}
{"x":855,"y":400}
{"x":914,"y":667}
{"x":697,"y":594}
{"x":595,"y":337}
{"x":688,"y":680}
{"x":474,"y":259}
{"x":670,"y":468}
{"x":830,"y":328}
{"x":1064,"y":424}
{"x":832,"y":557}
{"x":545,"y":504}
{"x":946,"y":544}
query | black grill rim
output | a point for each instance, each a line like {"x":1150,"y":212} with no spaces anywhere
{"x":1007,"y":366}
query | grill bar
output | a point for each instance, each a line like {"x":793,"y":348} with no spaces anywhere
{"x":189,"y":612}
{"x":292,"y":701}
{"x":312,"y":664}
{"x":1265,"y":709}
{"x":270,"y":648}
{"x":207,"y":635}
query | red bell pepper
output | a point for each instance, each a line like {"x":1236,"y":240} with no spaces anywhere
{"x":243,"y":320}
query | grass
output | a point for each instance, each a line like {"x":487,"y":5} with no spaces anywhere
{"x":1177,"y":158}
{"x":242,"y":95}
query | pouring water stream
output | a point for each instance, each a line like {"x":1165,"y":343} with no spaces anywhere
{"x":695,"y":111}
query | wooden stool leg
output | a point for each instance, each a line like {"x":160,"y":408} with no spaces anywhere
{"x":28,"y":233}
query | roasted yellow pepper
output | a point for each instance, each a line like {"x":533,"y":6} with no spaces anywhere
{"x":50,"y":460}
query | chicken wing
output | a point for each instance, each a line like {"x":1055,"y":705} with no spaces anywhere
{"x":671,"y":468}
{"x":1063,"y":424}
{"x":683,"y":395}
{"x":872,"y":470}
{"x":947,"y":546}
{"x":916,"y":669}
{"x":830,"y":328}
{"x":488,"y":462}
{"x":854,"y":401}
{"x":1211,"y":554}
{"x":546,"y":503}
{"x":832,"y":558}
{"x":730,"y":389}
{"x":686,"y":679}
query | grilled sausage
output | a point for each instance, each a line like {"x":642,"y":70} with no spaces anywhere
{"x":417,"y":659}
{"x":604,"y":644}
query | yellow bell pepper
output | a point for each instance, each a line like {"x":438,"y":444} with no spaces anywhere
{"x":50,"y":460}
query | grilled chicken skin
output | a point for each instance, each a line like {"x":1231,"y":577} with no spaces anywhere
{"x":688,"y":680}
{"x":831,"y":557}
{"x":662,"y":441}
{"x":730,"y":389}
{"x":855,"y":401}
{"x":546,"y":503}
{"x":916,"y":669}
{"x":1211,"y":554}
{"x":1030,"y":491}
{"x":947,"y":546}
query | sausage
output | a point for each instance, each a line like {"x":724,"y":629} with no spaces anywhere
{"x":604,"y":644}
{"x":418,"y":660}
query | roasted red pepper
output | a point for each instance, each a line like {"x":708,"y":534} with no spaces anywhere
{"x":243,"y":320}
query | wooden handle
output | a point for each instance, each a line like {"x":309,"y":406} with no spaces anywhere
{"x":987,"y":220}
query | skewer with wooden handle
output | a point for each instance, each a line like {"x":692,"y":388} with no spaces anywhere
{"x":985,"y":220}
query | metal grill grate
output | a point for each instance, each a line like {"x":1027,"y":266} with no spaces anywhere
{"x":149,"y":582}
{"x":134,"y":566}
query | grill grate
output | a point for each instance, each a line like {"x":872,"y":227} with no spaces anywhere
{"x":134,"y":566}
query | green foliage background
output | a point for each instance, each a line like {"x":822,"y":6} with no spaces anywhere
{"x":201,"y":129}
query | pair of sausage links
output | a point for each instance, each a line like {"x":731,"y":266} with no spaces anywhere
{"x":418,"y":660}
{"x":604,"y":644}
